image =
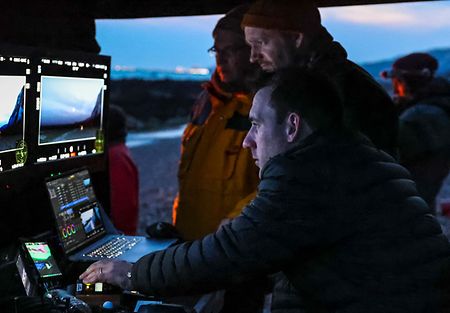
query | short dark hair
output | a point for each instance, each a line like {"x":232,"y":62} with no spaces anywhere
{"x":311,"y":94}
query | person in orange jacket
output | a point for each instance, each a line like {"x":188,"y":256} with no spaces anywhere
{"x":215,"y":172}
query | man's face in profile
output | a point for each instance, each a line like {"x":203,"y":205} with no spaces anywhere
{"x":271,"y":49}
{"x":266,"y":137}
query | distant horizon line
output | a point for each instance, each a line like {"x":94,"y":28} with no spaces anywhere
{"x":180,"y":69}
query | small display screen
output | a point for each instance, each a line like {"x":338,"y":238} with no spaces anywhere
{"x":43,"y":259}
{"x":76,"y":209}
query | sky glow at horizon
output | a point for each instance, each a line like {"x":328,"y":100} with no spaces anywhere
{"x":67,"y":100}
{"x":393,"y":30}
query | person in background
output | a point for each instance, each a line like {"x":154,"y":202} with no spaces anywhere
{"x":217,"y":176}
{"x":340,"y":218}
{"x":414,"y":82}
{"x":123,"y":175}
{"x":215,"y":172}
{"x":288,"y":33}
{"x":423,"y":102}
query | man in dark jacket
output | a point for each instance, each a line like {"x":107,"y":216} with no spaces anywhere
{"x":340,"y":218}
{"x":288,"y":33}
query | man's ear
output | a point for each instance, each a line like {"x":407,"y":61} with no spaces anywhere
{"x":293,"y":127}
{"x":298,"y":39}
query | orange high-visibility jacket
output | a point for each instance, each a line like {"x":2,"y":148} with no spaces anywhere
{"x":215,"y":172}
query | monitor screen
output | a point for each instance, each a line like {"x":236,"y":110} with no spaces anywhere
{"x":14,"y":85}
{"x":71,"y":109}
{"x":70,"y":106}
{"x":76,"y":209}
{"x":43,"y":259}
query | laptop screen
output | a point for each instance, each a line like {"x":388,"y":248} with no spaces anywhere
{"x":76,"y":209}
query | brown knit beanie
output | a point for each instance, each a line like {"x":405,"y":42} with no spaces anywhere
{"x":232,"y":21}
{"x":285,"y":15}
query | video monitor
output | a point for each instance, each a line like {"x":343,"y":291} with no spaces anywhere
{"x":14,"y":86}
{"x":76,"y":209}
{"x":43,"y":259}
{"x":72,"y":99}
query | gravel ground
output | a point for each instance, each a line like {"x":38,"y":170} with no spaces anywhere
{"x":157,"y":162}
{"x":158,"y":165}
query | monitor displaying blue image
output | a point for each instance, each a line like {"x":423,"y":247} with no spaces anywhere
{"x":91,"y":220}
{"x":71,"y":109}
{"x":12,"y":100}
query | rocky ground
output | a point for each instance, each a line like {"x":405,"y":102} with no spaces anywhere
{"x":158,"y":165}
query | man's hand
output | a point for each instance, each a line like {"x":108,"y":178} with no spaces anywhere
{"x":111,"y":272}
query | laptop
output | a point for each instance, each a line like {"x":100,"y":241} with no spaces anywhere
{"x":81,"y":223}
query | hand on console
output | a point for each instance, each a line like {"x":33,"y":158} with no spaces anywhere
{"x":114,"y":272}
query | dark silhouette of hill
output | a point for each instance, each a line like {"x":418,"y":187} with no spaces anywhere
{"x":157,"y":103}
{"x":94,"y":119}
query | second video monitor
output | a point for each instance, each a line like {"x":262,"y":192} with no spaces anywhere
{"x":52,"y":105}
{"x":70,"y":102}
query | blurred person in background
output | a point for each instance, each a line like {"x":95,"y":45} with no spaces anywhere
{"x":423,"y":102}
{"x":123,"y":175}
{"x":414,"y":82}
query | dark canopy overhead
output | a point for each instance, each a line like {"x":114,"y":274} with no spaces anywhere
{"x":151,"y":8}
{"x":70,"y":24}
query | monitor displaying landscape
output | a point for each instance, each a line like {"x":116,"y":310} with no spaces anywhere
{"x":70,"y":109}
{"x":12,"y":99}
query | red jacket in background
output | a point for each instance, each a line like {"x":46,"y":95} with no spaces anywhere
{"x":124,"y":181}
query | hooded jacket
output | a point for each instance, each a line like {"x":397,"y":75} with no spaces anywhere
{"x":215,"y":171}
{"x":367,"y":106}
{"x":342,"y":221}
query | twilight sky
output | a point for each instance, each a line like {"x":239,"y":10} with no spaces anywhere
{"x":369,"y":33}
{"x":68,"y":100}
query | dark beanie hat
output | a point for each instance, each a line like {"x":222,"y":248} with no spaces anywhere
{"x":232,"y":21}
{"x":285,"y":15}
{"x":416,"y":69}
{"x":416,"y":62}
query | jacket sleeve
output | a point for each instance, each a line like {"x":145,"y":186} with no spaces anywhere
{"x":267,"y":235}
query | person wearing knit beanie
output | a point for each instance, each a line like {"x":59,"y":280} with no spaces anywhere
{"x":410,"y":75}
{"x":281,"y":26}
{"x":289,"y":33}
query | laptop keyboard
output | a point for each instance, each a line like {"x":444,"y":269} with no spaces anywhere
{"x":114,"y":247}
